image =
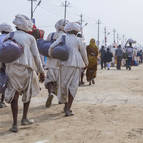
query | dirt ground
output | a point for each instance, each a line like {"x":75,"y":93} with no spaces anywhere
{"x":111,"y":111}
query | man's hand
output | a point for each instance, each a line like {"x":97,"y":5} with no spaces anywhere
{"x":42,"y":77}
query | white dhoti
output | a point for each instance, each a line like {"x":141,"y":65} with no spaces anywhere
{"x":23,"y":80}
{"x":52,"y":75}
{"x":68,"y":82}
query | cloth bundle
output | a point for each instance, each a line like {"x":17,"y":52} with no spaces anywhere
{"x":10,"y":50}
{"x":60,"y":52}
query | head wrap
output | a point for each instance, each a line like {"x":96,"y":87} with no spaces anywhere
{"x":72,"y":27}
{"x":23,"y":22}
{"x":5,"y":28}
{"x":61,"y":24}
{"x":131,"y":41}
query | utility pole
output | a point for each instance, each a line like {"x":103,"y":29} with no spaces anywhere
{"x":98,"y":34}
{"x":81,"y":24}
{"x":65,"y":5}
{"x":114,"y":36}
{"x":105,"y":32}
{"x":117,"y":38}
{"x":32,"y":8}
{"x":123,"y":39}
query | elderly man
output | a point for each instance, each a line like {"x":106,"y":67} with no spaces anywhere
{"x":52,"y":64}
{"x":70,"y":69}
{"x":4,"y":29}
{"x":22,"y":76}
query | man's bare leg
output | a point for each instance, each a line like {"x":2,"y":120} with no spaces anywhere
{"x":50,"y":97}
{"x":68,"y":111}
{"x":25,"y":120}
{"x":14,"y":108}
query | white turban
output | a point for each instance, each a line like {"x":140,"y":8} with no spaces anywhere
{"x":23,"y":22}
{"x":72,"y":27}
{"x":5,"y":27}
{"x":61,"y":24}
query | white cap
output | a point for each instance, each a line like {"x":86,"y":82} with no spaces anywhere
{"x":23,"y":22}
{"x":72,"y":27}
{"x":61,"y":24}
{"x":5,"y":28}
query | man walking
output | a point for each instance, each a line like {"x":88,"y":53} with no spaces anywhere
{"x":103,"y":57}
{"x":22,"y":77}
{"x":129,"y":52}
{"x":119,"y":56}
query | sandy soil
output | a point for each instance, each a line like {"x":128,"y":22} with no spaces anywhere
{"x":109,"y":112}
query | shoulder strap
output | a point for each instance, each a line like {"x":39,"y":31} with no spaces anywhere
{"x":11,"y":35}
{"x":63,"y":39}
{"x":52,"y":37}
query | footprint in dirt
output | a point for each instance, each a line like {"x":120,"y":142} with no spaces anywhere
{"x":135,"y":133}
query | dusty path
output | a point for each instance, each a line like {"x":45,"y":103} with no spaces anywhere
{"x":109,"y":112}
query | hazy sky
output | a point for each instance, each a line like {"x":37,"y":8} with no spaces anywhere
{"x":123,"y":15}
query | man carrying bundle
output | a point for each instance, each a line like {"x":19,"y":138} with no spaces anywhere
{"x":52,"y":64}
{"x":4,"y":29}
{"x":23,"y":79}
{"x":70,"y":69}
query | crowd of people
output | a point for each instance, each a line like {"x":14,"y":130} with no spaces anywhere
{"x":62,"y":78}
{"x":126,"y":56}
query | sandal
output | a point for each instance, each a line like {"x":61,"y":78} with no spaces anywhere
{"x":2,"y":105}
{"x":68,"y":113}
{"x":26,"y":122}
{"x":49,"y":101}
{"x":66,"y":109}
{"x":14,"y":129}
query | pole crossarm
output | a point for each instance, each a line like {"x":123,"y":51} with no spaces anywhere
{"x":32,"y":11}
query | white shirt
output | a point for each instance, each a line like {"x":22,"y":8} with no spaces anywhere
{"x":77,"y":51}
{"x":31,"y":57}
{"x":51,"y":62}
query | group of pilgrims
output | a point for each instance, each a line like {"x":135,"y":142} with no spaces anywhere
{"x":62,"y":78}
{"x":121,"y":56}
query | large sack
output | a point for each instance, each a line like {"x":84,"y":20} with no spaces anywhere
{"x":10,"y":50}
{"x":43,"y":47}
{"x":61,"y":51}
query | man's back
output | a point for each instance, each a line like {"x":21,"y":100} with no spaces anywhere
{"x":103,"y":53}
{"x":129,"y":51}
{"x":119,"y":52}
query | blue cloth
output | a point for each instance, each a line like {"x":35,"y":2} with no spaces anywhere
{"x":129,"y":61}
